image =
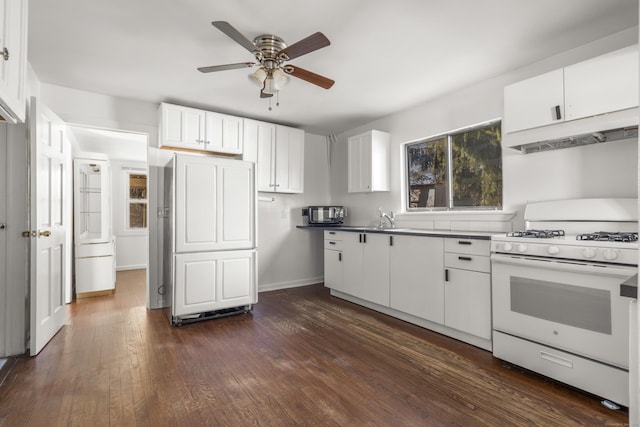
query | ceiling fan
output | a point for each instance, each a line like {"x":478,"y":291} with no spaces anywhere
{"x":271,"y":53}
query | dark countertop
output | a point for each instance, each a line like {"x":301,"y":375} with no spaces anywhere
{"x":479,"y":235}
{"x":629,"y":288}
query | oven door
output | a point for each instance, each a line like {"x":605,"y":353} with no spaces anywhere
{"x":571,"y":306}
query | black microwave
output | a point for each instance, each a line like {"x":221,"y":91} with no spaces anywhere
{"x":324,"y":215}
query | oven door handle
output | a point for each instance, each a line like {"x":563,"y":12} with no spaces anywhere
{"x":561,"y":265}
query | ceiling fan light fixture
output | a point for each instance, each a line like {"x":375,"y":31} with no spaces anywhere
{"x":258,"y":77}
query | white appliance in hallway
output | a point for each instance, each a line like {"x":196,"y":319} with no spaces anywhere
{"x":93,"y":234}
{"x":210,"y":254}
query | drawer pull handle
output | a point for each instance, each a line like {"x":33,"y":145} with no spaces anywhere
{"x":332,"y":232}
{"x":464,"y":258}
{"x":446,"y":274}
{"x":339,"y":256}
{"x":332,"y":243}
{"x":556,"y":359}
{"x":464,"y":242}
{"x":556,"y":110}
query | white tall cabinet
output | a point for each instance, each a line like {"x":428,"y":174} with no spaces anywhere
{"x":212,"y":233}
{"x":13,"y":59}
{"x":94,"y":247}
{"x":278,"y":152}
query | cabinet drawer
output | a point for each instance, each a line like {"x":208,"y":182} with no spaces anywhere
{"x":467,"y":246}
{"x":332,"y":235}
{"x":332,"y":244}
{"x":467,"y":262}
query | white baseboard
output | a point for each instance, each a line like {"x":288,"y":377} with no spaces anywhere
{"x":290,"y":284}
{"x":131,"y":267}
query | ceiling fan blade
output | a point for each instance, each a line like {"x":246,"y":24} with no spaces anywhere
{"x":213,"y":68}
{"x":314,"y":42}
{"x":308,"y":76}
{"x":236,"y":35}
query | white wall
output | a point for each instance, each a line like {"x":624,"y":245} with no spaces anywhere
{"x":131,"y":246}
{"x":591,"y":171}
{"x":288,"y":256}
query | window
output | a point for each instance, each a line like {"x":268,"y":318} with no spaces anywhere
{"x":459,"y":170}
{"x":136,"y":203}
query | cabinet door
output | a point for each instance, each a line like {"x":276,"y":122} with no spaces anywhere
{"x":333,"y":270}
{"x":352,"y":264}
{"x":532,"y":102}
{"x":214,"y":204}
{"x":259,"y":147}
{"x":359,"y":163}
{"x":13,"y":37}
{"x":182,"y":127}
{"x":417,"y":274}
{"x":210,"y":281}
{"x":602,"y":85}
{"x":223,"y":133}
{"x":289,"y":162}
{"x":468,"y":302}
{"x":375,"y":271}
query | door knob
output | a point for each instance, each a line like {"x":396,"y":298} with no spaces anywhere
{"x":45,"y":233}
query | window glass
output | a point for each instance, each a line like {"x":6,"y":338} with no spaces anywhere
{"x":136,"y":202}
{"x":427,"y":168}
{"x":477,"y":167}
{"x":460,"y":170}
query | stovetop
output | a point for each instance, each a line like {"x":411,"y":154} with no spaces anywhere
{"x":606,"y":247}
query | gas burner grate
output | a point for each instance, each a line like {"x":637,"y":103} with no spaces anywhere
{"x":538,"y":234}
{"x":607,"y":236}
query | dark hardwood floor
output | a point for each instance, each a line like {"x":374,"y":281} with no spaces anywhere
{"x":301,"y":357}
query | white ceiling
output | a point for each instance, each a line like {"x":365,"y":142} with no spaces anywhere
{"x":384,"y":55}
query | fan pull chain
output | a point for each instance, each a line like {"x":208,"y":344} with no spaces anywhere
{"x":277,"y":98}
{"x":270,"y":104}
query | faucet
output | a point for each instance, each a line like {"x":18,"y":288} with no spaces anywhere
{"x":388,"y":217}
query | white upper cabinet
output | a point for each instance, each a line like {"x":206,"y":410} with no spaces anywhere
{"x":534,"y":102}
{"x":13,"y":59}
{"x":191,"y":128}
{"x":600,"y":85}
{"x":368,"y":164}
{"x":616,"y":84}
{"x":279,"y":155}
{"x":289,"y":160}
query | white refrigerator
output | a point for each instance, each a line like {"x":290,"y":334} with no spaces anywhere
{"x":210,"y":253}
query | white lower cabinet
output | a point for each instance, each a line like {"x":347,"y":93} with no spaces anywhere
{"x":417,"y":284}
{"x":441,"y":283}
{"x":366,"y":266}
{"x":209,"y":281}
{"x":333,"y":260}
{"x":467,"y":289}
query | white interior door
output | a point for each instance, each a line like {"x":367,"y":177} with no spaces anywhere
{"x":48,"y":225}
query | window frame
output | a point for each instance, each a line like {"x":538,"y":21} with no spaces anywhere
{"x":127,"y":201}
{"x":448,"y":137}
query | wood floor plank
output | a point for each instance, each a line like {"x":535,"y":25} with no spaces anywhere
{"x":301,"y":357}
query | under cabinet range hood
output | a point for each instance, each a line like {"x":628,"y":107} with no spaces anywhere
{"x":578,"y":140}
{"x":616,"y":126}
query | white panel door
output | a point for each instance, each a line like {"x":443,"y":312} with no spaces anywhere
{"x":214,"y":204}
{"x":289,"y":160}
{"x":376,"y":269}
{"x":196,"y":204}
{"x":237,"y":221}
{"x":417,"y":273}
{"x":213,"y":281}
{"x":49,"y":166}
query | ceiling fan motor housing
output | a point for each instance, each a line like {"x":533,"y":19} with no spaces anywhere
{"x":269,"y":45}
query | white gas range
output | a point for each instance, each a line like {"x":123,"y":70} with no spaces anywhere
{"x":557,"y":308}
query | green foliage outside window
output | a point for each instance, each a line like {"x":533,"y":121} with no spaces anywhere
{"x":474,"y":178}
